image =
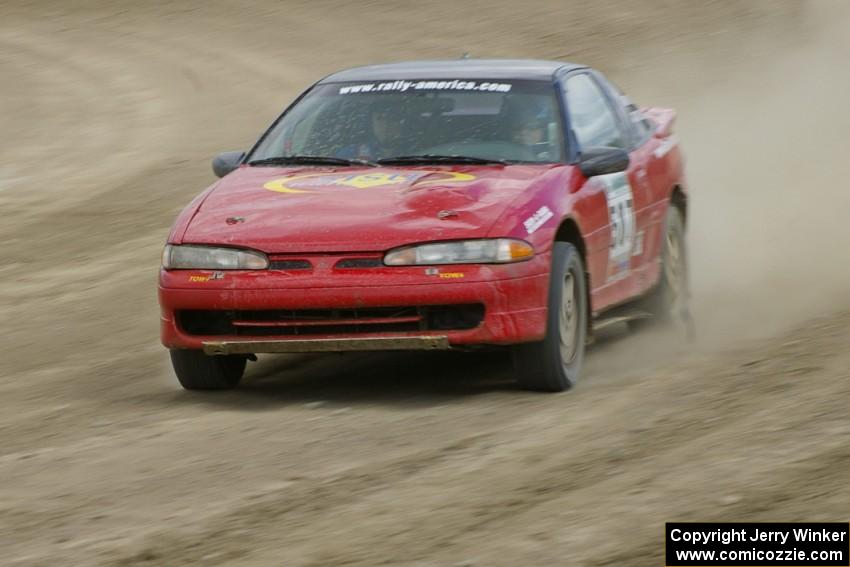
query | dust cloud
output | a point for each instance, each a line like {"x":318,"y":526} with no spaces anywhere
{"x":767,"y":141}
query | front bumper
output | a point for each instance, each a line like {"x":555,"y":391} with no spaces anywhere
{"x":513,"y":297}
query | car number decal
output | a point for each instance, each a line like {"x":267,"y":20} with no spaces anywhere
{"x":621,"y":215}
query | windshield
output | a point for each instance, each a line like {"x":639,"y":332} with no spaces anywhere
{"x":513,"y":121}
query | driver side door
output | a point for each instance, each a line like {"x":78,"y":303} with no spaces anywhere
{"x":595,"y":122}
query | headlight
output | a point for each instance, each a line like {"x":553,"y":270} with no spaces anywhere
{"x":489,"y":251}
{"x":209,"y":258}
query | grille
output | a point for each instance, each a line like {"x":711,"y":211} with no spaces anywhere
{"x":290,"y":265}
{"x":360,"y":263}
{"x":331,"y":321}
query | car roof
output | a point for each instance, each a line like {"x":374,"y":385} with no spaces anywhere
{"x":518,"y":69}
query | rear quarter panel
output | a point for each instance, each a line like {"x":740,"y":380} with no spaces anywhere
{"x":666,"y":171}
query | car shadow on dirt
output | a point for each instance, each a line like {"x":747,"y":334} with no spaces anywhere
{"x":416,"y":379}
{"x":404,"y":378}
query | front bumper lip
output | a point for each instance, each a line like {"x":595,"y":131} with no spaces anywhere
{"x":326,"y":345}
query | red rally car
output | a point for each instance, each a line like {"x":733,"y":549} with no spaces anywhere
{"x":432,"y":205}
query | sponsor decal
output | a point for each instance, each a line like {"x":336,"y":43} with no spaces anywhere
{"x":638,"y":248}
{"x":538,"y":219}
{"x":404,"y":86}
{"x":314,"y":182}
{"x":665,"y":147}
{"x":203,"y":278}
{"x":444,"y":275}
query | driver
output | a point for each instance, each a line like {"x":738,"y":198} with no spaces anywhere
{"x":529,"y":130}
{"x":530,"y":133}
{"x":528,"y":127}
{"x":386,"y":125}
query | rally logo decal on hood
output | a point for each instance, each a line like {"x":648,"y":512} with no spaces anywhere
{"x":310,"y":183}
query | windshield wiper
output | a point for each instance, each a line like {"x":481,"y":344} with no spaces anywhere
{"x":311,"y":160}
{"x":431,"y":158}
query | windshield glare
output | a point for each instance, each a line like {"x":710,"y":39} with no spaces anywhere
{"x":495,"y":120}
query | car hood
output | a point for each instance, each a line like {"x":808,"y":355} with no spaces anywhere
{"x":303,"y":210}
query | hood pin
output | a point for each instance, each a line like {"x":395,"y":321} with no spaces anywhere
{"x":446,"y":214}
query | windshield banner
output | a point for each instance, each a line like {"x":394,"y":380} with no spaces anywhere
{"x":403,"y":86}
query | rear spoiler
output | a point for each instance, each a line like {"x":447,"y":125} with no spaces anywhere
{"x":662,"y":118}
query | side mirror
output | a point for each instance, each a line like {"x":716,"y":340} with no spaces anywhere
{"x":224,"y":163}
{"x":599,"y":160}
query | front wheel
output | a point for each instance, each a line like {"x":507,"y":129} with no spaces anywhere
{"x":198,"y":371}
{"x":554,"y":364}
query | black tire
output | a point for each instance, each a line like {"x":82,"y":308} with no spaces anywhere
{"x":669,"y":299}
{"x":541,"y":365}
{"x":197,"y":371}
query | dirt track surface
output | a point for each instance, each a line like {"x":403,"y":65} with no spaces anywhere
{"x":110,"y":113}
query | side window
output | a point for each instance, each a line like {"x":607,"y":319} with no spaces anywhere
{"x":639,"y":127}
{"x":591,"y":117}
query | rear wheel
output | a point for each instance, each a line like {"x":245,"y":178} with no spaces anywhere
{"x":197,"y":371}
{"x":669,"y":299}
{"x":554,"y":364}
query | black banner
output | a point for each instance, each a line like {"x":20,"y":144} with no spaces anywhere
{"x":756,"y":544}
